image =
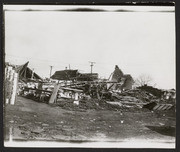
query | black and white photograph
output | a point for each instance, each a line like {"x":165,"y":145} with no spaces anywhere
{"x":89,"y":76}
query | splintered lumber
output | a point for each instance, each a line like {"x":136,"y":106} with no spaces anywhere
{"x":110,"y":86}
{"x":54,"y":94}
{"x":90,"y":82}
{"x":114,"y":103}
{"x":74,"y":84}
{"x":163,"y":107}
{"x":71,"y":89}
{"x":40,"y":90}
{"x":155,"y":106}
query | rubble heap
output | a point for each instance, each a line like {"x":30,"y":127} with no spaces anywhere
{"x":137,"y":94}
{"x":154,"y":91}
{"x":112,"y":94}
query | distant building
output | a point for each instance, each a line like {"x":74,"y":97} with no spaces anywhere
{"x":74,"y":75}
{"x":65,"y":75}
{"x":87,"y":76}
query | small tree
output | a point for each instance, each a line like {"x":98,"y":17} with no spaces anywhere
{"x":143,"y":80}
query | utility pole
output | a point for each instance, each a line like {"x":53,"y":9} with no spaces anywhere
{"x":92,"y":64}
{"x":50,"y":70}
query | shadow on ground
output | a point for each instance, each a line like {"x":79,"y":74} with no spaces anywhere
{"x":164,"y":130}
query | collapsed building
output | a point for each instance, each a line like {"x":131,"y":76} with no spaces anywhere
{"x":87,"y":90}
{"x":122,"y":81}
{"x":26,"y":73}
{"x":15,"y":77}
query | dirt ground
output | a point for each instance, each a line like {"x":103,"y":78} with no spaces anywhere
{"x":31,"y":120}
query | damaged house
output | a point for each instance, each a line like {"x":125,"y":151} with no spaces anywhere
{"x":65,"y":75}
{"x":25,"y":73}
{"x":16,"y":76}
{"x":123,"y":81}
{"x":74,"y":75}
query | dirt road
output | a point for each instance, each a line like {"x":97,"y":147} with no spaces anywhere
{"x":32,"y":120}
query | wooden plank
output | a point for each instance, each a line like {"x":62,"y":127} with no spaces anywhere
{"x":133,"y":103}
{"x":169,"y":107}
{"x":160,"y":107}
{"x":90,"y":82}
{"x":41,"y":90}
{"x":72,"y":89}
{"x":164,"y":108}
{"x":156,"y":107}
{"x":54,"y":94}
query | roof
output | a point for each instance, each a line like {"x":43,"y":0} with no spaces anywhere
{"x":26,"y":73}
{"x":65,"y":74}
{"x":117,"y":74}
{"x":128,"y":77}
{"x":87,"y":76}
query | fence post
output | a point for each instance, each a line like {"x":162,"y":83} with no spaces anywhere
{"x":8,"y":72}
{"x":14,"y":89}
{"x":8,"y":85}
{"x":11,"y":74}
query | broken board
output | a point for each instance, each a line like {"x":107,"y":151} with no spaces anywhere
{"x":155,"y":106}
{"x":54,"y":94}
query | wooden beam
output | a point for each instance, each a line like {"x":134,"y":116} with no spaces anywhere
{"x":41,"y":90}
{"x":54,"y":94}
{"x":72,"y":89}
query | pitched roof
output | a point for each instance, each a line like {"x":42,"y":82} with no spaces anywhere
{"x":65,"y":74}
{"x":87,"y":76}
{"x":26,"y":73}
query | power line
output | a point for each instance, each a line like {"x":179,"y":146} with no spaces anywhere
{"x":58,"y":62}
{"x":44,"y":60}
{"x":32,"y":58}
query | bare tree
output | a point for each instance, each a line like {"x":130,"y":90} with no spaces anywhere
{"x":143,"y":80}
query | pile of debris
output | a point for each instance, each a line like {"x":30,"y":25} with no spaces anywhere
{"x":142,"y":97}
{"x":154,"y":91}
{"x":135,"y":95}
{"x":86,"y":91}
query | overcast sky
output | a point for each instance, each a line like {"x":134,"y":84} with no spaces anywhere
{"x":139,"y":41}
